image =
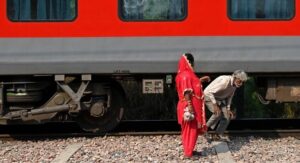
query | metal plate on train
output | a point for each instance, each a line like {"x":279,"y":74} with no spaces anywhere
{"x":147,"y":54}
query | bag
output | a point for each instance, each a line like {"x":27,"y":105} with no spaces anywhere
{"x":187,"y":115}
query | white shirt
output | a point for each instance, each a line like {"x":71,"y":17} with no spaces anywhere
{"x":222,"y":88}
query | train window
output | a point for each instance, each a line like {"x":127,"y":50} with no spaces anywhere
{"x":41,"y":10}
{"x":152,"y":10}
{"x":261,"y":9}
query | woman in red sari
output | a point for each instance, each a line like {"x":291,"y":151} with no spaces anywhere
{"x":189,"y":89}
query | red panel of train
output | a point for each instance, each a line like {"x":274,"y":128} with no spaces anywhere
{"x":121,"y":18}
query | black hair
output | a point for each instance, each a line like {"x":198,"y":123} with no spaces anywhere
{"x":190,"y":58}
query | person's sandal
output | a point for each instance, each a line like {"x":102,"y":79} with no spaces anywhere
{"x":194,"y":157}
{"x":196,"y":153}
{"x":216,"y":137}
{"x":225,"y":138}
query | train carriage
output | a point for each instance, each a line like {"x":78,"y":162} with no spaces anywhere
{"x":65,"y":59}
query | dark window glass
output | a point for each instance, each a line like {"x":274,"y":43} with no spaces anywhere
{"x":261,"y":9}
{"x":146,"y":10}
{"x":41,"y":10}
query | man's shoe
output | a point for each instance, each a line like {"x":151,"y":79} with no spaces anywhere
{"x":208,"y":139}
{"x":216,"y":137}
{"x":224,"y":138}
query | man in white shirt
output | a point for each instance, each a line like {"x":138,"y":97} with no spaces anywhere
{"x":218,"y":96}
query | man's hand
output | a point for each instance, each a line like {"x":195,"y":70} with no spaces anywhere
{"x":230,"y":114}
{"x":205,"y":79}
{"x":217,"y":110}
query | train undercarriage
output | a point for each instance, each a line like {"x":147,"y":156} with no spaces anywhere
{"x":97,"y":104}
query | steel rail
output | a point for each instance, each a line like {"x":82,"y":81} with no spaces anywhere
{"x":263,"y":133}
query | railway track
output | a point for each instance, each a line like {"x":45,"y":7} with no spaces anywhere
{"x":267,"y":133}
{"x":262,"y":127}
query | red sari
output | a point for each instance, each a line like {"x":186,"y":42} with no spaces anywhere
{"x":186,"y":80}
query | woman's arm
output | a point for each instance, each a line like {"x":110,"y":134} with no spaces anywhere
{"x":188,"y":98}
{"x":205,"y":79}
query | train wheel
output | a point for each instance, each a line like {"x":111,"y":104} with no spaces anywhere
{"x":108,"y":118}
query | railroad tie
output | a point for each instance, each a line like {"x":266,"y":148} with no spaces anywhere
{"x":224,"y":155}
{"x":67,"y":153}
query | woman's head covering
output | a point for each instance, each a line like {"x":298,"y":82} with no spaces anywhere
{"x":185,"y":63}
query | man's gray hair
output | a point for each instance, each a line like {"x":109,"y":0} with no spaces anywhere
{"x":240,"y":74}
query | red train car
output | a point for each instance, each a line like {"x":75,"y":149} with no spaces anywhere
{"x":65,"y":58}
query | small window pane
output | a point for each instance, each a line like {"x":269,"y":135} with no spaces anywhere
{"x":41,"y":10}
{"x":153,"y":9}
{"x":261,"y":9}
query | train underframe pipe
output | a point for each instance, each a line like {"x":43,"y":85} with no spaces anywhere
{"x":97,"y":106}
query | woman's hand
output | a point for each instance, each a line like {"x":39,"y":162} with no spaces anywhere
{"x":191,"y":109}
{"x":199,"y":125}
